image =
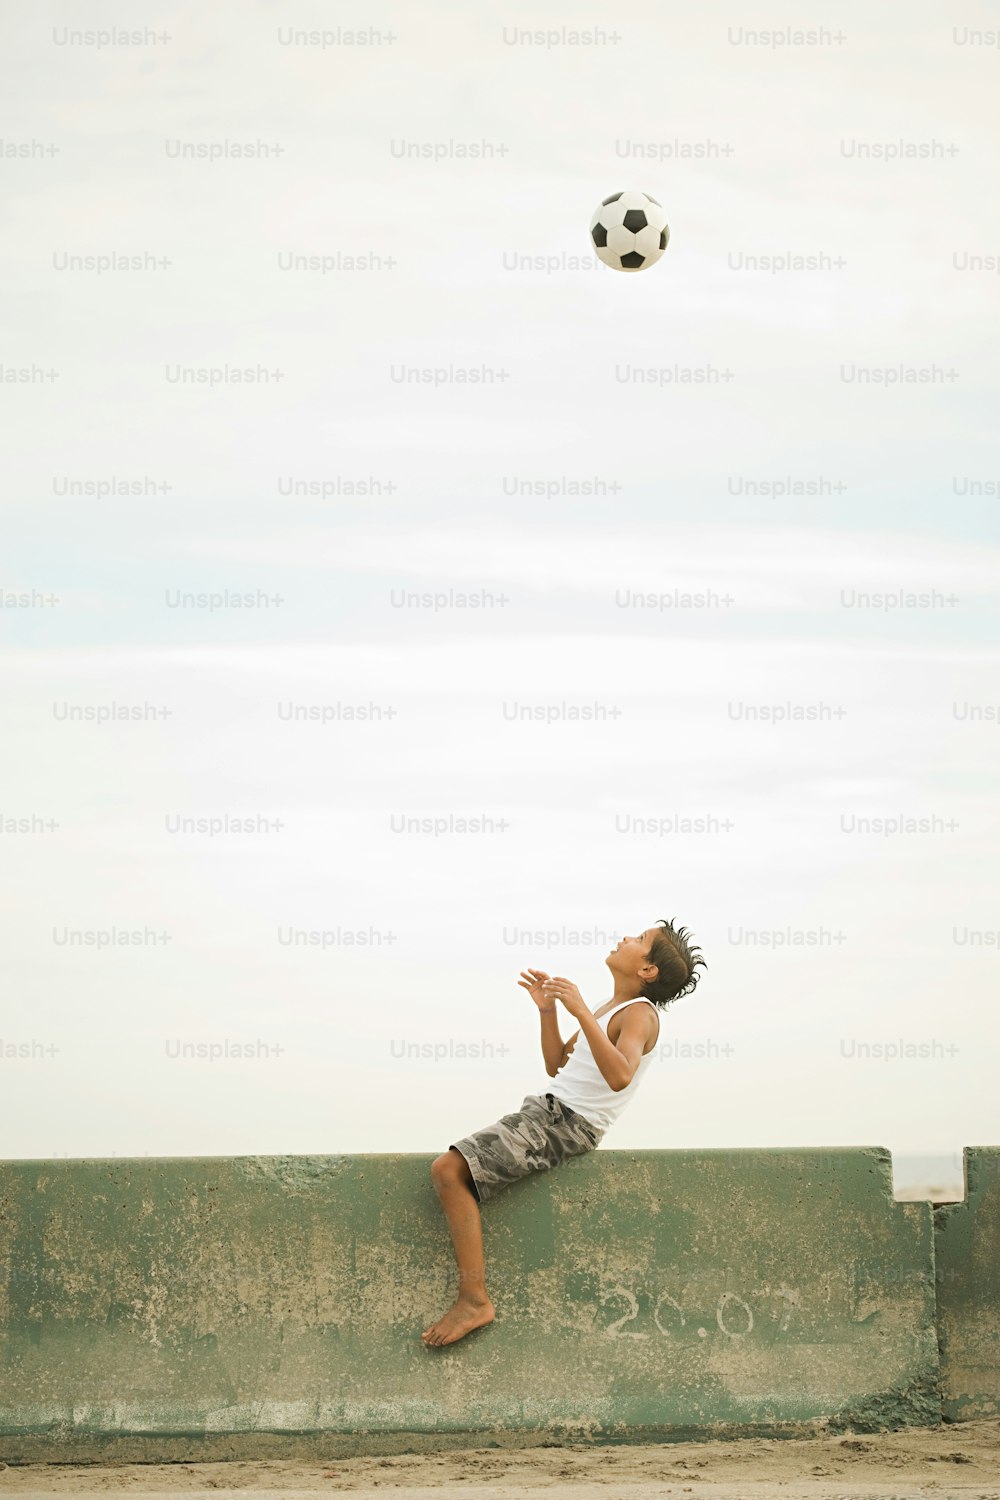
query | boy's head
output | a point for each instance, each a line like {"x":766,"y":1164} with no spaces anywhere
{"x":659,"y":964}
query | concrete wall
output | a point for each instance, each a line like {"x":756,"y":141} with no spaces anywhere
{"x":967,"y":1239}
{"x":219,"y":1307}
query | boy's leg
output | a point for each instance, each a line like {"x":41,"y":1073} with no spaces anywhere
{"x":472,"y":1307}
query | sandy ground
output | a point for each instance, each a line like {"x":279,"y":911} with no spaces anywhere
{"x":961,"y":1460}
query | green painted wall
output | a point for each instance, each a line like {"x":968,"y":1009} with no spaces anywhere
{"x":160,"y":1308}
{"x":968,"y":1291}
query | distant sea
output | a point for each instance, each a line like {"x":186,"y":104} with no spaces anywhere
{"x":937,"y":1176}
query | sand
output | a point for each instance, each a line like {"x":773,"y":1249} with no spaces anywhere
{"x":961,"y":1460}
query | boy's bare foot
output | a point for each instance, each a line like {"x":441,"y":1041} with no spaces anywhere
{"x":465,"y":1314}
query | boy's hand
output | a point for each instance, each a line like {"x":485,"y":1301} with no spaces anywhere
{"x":533,"y":980}
{"x":566,"y":991}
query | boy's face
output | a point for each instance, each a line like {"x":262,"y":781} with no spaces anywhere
{"x":631,"y":957}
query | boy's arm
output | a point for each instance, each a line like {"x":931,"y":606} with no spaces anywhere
{"x":552,"y":1042}
{"x":534,"y":981}
{"x":563,"y":1055}
{"x":567,"y":1050}
{"x":633,"y":1034}
{"x":617,"y":1061}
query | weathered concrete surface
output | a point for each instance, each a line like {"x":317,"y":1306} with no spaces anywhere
{"x":269,"y":1306}
{"x":967,"y":1245}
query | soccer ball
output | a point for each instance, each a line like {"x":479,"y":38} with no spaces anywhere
{"x":629,"y":231}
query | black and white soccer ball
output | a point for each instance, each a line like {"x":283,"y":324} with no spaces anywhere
{"x":629,"y":231}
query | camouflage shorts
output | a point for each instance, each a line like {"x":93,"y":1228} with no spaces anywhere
{"x":542,"y":1134}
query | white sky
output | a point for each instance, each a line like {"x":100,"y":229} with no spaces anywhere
{"x":907,"y":480}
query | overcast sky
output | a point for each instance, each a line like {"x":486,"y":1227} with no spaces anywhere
{"x":653,"y":514}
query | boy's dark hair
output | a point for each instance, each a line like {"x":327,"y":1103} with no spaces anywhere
{"x":676,"y":957}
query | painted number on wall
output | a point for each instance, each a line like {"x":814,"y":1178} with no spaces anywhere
{"x":733,"y":1315}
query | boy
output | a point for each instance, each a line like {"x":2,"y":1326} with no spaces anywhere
{"x":606,"y":1064}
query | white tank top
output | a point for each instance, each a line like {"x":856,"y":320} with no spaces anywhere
{"x":583,"y":1086}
